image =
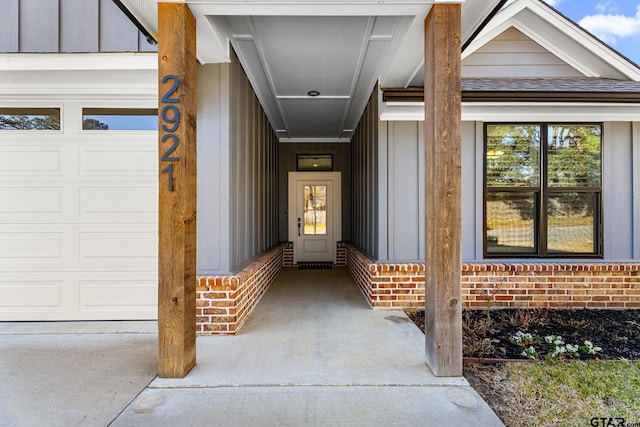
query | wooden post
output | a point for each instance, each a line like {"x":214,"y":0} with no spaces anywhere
{"x":177,"y":194}
{"x":442,"y":96}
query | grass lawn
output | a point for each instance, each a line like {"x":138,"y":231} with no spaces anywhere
{"x":560,"y":393}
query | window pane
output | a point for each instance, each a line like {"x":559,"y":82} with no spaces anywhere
{"x":513,"y":155}
{"x":29,"y":119}
{"x":119,"y":119}
{"x":574,"y":155}
{"x":315,"y":209}
{"x":510,"y":224}
{"x":571,"y":219}
{"x":315,"y":162}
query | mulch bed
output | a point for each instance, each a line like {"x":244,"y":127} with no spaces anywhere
{"x":616,"y":331}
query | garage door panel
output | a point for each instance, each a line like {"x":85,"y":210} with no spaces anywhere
{"x":16,"y":202}
{"x":95,"y":161}
{"x":31,"y":245}
{"x":118,"y":247}
{"x":121,"y":295}
{"x":119,"y":202}
{"x":16,"y":162}
{"x":29,"y":295}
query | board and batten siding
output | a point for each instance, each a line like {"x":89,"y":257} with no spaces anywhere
{"x":513,"y":54}
{"x":237,"y":171}
{"x":253,"y":173}
{"x":68,"y":26}
{"x":364,"y":178}
{"x":402,"y":208}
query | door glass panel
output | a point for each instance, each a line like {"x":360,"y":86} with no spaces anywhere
{"x":315,"y":209}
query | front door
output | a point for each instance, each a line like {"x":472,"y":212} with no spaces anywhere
{"x":314,"y":215}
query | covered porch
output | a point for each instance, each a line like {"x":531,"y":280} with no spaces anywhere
{"x":312,"y":68}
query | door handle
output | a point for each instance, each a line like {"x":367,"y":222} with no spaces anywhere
{"x":298,"y":227}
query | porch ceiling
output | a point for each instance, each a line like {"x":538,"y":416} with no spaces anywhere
{"x":339,"y":49}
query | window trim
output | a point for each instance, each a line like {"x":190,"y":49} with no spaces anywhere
{"x":541,"y":200}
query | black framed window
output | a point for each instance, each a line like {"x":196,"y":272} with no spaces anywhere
{"x":314,"y":162}
{"x":543,"y":199}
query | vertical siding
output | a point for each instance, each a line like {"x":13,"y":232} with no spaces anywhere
{"x":364,"y":160}
{"x":253,"y":173}
{"x":51,"y":26}
{"x":38,"y":25}
{"x":213,"y":253}
{"x":405,"y":155}
{"x":9,"y":42}
{"x":341,"y":153}
{"x":617,"y":190}
{"x":79,"y":26}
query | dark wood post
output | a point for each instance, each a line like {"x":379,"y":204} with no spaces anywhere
{"x":442,"y":97}
{"x":177,"y":195}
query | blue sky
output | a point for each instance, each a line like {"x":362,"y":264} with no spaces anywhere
{"x":616,"y":22}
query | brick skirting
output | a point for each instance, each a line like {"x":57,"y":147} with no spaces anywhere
{"x":506,"y":285}
{"x":224,"y":302}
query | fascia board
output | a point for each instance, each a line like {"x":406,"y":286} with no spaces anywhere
{"x":519,"y":111}
{"x":78,"y":61}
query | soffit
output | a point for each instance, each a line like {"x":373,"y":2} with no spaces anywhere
{"x":339,"y":48}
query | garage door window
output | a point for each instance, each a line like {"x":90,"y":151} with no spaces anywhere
{"x":29,"y":119}
{"x":119,"y":119}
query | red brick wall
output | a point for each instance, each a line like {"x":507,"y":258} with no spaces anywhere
{"x":560,"y":285}
{"x":512,"y":285}
{"x":224,"y":302}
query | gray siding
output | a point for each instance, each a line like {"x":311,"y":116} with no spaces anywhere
{"x":402,"y":177}
{"x":53,"y":26}
{"x":213,"y":252}
{"x":364,"y":176}
{"x":341,"y":163}
{"x":237,"y":171}
{"x":513,"y":54}
{"x":617,"y":191}
{"x":253,"y":173}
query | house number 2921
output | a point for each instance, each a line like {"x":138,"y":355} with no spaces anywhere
{"x":170,"y":115}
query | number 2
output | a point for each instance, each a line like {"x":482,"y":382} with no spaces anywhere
{"x":172,"y":90}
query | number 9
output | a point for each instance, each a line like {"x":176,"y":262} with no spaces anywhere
{"x":173,"y":120}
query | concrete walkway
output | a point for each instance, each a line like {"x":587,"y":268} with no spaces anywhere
{"x":311,"y":353}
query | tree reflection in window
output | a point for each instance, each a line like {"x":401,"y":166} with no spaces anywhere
{"x":315,"y":209}
{"x":543,"y":199}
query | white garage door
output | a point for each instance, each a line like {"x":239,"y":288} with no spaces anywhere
{"x":78,"y":220}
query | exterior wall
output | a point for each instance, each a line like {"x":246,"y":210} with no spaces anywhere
{"x":401,"y":146}
{"x":513,"y":54}
{"x":503,"y":285}
{"x":341,"y":163}
{"x":364,"y":170}
{"x":253,"y":173}
{"x":237,"y":172}
{"x":225,"y":302}
{"x":37,"y":26}
{"x":402,"y":180}
{"x":213,"y":244}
